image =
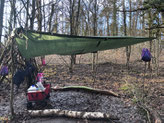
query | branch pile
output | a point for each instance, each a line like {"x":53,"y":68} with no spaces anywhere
{"x":7,"y":52}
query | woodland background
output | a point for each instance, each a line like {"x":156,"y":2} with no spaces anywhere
{"x":119,"y":70}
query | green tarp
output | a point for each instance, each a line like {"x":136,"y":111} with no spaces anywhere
{"x":33,"y":44}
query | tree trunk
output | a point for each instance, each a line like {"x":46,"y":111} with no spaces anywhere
{"x":44,"y":16}
{"x":72,"y":23}
{"x":95,"y":33}
{"x":130,"y":18}
{"x":12,"y":85}
{"x":95,"y":19}
{"x":157,"y":51}
{"x":162,"y":13}
{"x":73,"y":57}
{"x":12,"y":16}
{"x":39,"y":18}
{"x":107,"y":22}
{"x":128,"y":48}
{"x":12,"y":22}
{"x":33,"y":15}
{"x":150,"y":34}
{"x":114,"y":23}
{"x":1,"y":18}
{"x":143,"y":25}
{"x":39,"y":15}
{"x":50,"y":19}
{"x":77,"y":18}
{"x":27,"y":13}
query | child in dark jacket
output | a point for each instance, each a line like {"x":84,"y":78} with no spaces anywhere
{"x":20,"y":75}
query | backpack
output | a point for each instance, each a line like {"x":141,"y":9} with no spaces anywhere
{"x":4,"y":71}
{"x":146,"y":55}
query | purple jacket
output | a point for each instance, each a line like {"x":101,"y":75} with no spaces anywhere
{"x":145,"y":50}
{"x":4,"y":70}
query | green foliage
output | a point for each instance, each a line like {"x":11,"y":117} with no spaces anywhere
{"x":133,"y":90}
{"x":126,"y":87}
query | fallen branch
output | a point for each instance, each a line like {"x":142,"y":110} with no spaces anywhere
{"x":152,"y":115}
{"x":155,"y":116}
{"x":68,"y":88}
{"x":71,"y":114}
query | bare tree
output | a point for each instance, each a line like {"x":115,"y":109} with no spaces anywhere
{"x":94,"y":33}
{"x":128,"y":48}
{"x":33,"y":15}
{"x":106,"y":12}
{"x":39,"y":14}
{"x":50,"y":18}
{"x":77,"y":17}
{"x":27,"y":14}
{"x":1,"y":18}
{"x":12,"y":22}
{"x":74,"y":24}
{"x":114,"y":18}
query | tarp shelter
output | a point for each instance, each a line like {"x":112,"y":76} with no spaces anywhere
{"x":33,"y":44}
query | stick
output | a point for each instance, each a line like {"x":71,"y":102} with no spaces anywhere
{"x":152,"y":115}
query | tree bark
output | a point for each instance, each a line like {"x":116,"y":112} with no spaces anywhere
{"x":51,"y":15}
{"x":162,"y":13}
{"x":44,"y":16}
{"x":94,"y":33}
{"x":114,"y":18}
{"x":128,"y":48}
{"x":39,"y":15}
{"x":12,"y":74}
{"x":1,"y":18}
{"x":72,"y":23}
{"x":27,"y":13}
{"x":39,"y":18}
{"x":77,"y":17}
{"x":150,"y":33}
{"x":12,"y":22}
{"x":33,"y":15}
{"x":130,"y":18}
{"x":108,"y":23}
{"x":95,"y":19}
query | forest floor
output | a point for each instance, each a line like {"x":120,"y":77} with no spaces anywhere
{"x":111,"y":74}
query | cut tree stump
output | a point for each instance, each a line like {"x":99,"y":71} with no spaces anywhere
{"x":71,"y":114}
{"x":84,"y":88}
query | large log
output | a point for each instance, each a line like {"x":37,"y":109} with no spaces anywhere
{"x":84,"y":88}
{"x":71,"y":114}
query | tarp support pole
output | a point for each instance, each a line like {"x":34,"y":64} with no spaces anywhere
{"x":12,"y":85}
{"x":94,"y":65}
{"x":71,"y":64}
{"x":93,"y":61}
